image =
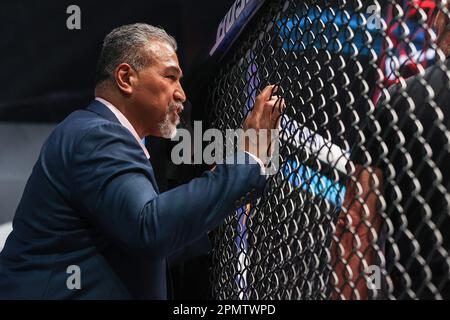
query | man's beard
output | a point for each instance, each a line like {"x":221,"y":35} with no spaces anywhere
{"x":168,"y":127}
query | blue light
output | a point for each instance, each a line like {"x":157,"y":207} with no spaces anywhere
{"x":301,"y":176}
{"x":317,"y":26}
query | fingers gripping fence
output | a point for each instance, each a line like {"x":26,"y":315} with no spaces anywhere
{"x":359,"y":208}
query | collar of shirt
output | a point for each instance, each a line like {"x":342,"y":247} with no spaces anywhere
{"x":124,"y":121}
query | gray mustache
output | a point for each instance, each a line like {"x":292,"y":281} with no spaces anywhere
{"x":176,"y":106}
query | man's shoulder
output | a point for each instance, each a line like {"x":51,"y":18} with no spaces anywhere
{"x":83,"y":128}
{"x":416,"y":89}
{"x":435,"y":77}
{"x":82,"y":122}
{"x":82,"y":119}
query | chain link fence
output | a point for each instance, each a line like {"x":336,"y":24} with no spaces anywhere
{"x":359,"y":208}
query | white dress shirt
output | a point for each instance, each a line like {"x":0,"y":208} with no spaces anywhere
{"x":124,"y":121}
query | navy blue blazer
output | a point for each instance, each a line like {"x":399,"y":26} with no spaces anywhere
{"x":92,"y":201}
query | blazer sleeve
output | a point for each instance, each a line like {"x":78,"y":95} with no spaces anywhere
{"x":111,"y":181}
{"x":198,"y":247}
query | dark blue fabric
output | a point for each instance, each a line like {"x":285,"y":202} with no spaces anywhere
{"x":92,"y":201}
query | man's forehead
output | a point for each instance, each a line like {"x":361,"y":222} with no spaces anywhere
{"x":162,"y":53}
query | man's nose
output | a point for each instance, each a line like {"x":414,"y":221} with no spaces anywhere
{"x":179,"y":94}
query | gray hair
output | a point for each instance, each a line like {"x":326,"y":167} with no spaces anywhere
{"x":128,"y":44}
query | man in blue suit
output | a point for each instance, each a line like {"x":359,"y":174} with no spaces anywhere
{"x":91,"y":223}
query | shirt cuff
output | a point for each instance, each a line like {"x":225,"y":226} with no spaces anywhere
{"x":262,"y":168}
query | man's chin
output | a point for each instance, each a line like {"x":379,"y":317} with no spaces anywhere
{"x":173,"y":133}
{"x":169,"y":133}
{"x":168,"y":128}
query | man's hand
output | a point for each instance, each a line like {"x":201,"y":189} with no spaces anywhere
{"x":262,"y":120}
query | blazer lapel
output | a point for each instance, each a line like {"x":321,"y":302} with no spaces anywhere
{"x":103,"y":111}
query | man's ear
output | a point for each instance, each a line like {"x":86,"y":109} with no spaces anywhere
{"x":125,"y":77}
